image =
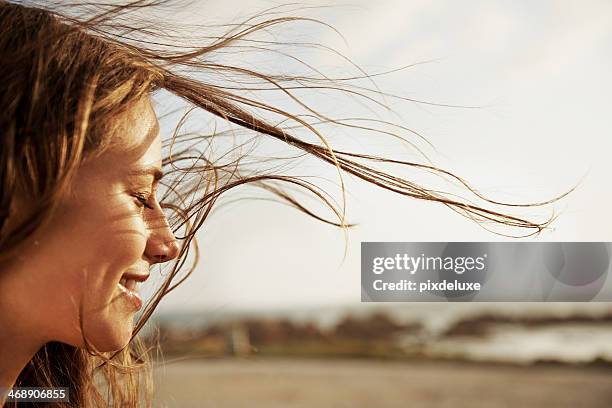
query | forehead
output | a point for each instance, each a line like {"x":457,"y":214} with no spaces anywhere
{"x":135,"y":140}
{"x":136,"y":126}
{"x":134,"y":145}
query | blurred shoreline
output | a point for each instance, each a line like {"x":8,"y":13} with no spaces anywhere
{"x":580,"y":334}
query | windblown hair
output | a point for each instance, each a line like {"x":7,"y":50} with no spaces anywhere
{"x":65,"y":82}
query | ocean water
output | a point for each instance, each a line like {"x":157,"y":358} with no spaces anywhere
{"x":561,"y":341}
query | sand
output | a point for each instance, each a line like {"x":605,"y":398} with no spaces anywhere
{"x":276,"y":383}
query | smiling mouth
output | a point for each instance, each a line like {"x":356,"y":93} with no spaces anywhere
{"x":128,"y":283}
{"x":128,"y":287}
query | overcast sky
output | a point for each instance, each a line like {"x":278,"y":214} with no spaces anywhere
{"x":540,"y":72}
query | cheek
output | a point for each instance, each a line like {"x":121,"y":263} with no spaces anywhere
{"x":118,"y":246}
{"x":108,"y":323}
{"x":90,"y":248}
{"x":107,"y":244}
{"x":123,"y":243}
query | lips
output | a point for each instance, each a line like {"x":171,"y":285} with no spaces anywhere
{"x":139,"y":277}
{"x":128,"y":286}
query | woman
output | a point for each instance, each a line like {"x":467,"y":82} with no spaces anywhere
{"x":81,"y":219}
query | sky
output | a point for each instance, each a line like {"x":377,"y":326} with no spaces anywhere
{"x":538,"y":73}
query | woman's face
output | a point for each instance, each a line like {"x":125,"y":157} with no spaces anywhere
{"x":108,"y":229}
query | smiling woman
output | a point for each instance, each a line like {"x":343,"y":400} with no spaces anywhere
{"x":100,"y":242}
{"x":107,"y":212}
{"x":81,"y":217}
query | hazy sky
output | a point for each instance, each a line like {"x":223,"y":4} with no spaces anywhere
{"x":540,"y":71}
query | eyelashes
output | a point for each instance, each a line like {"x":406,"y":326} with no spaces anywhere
{"x":142,"y":200}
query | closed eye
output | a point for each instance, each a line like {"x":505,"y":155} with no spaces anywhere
{"x":143,"y":201}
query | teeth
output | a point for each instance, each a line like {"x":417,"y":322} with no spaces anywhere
{"x":131,"y":284}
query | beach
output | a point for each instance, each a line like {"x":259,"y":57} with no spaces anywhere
{"x":337,"y":383}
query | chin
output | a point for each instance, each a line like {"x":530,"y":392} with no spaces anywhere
{"x":110,"y":334}
{"x":113,"y":343}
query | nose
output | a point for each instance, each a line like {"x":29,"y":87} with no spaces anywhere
{"x":161,"y":244}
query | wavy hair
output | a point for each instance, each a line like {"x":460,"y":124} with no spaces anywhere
{"x":68,"y":73}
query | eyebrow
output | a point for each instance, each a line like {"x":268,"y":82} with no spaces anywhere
{"x":154,"y":171}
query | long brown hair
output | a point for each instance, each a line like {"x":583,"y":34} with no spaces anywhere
{"x":66,"y":78}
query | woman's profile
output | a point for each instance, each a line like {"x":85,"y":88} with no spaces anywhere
{"x":92,"y":197}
